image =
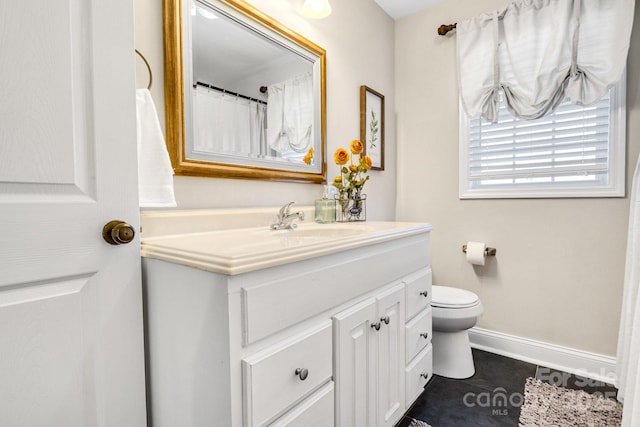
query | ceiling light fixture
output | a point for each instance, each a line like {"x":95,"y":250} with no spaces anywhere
{"x":316,"y":9}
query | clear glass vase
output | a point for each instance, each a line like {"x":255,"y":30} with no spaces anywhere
{"x":351,"y":208}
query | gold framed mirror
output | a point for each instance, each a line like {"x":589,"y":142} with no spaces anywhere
{"x":226,"y":61}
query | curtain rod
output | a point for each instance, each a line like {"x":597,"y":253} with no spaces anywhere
{"x":444,"y":29}
{"x":239,"y":95}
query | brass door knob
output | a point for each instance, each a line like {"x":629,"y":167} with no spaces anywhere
{"x":118,"y":232}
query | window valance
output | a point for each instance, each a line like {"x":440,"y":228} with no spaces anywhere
{"x":540,"y":52}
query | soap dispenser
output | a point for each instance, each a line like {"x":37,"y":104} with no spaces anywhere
{"x":325,"y":208}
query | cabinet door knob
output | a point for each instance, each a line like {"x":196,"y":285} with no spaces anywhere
{"x":424,"y":293}
{"x":424,"y":375}
{"x":302,"y":373}
{"x":385,"y":319}
{"x":424,"y":335}
{"x":376,"y":326}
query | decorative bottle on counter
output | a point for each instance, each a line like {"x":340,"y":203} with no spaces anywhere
{"x":325,"y":209}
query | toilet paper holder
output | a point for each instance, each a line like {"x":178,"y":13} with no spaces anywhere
{"x":487,"y":252}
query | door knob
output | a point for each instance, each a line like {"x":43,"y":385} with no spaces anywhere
{"x":118,"y":232}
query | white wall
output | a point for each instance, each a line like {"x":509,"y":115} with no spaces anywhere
{"x":559,"y":269}
{"x":359,"y":39}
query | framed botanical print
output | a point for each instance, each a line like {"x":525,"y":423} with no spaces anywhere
{"x":372,"y":125}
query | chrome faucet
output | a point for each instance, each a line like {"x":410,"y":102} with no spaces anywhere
{"x":285,"y":218}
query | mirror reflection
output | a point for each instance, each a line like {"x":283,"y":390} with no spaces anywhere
{"x":253,"y":91}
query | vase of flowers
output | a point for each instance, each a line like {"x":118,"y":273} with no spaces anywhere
{"x":351,"y":201}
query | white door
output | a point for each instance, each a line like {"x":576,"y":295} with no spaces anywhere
{"x":355,"y":342}
{"x":391,"y":348}
{"x":71,"y":339}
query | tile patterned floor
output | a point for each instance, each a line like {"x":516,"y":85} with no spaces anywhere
{"x":492,"y":397}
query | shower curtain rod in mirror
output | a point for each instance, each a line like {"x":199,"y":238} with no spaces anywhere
{"x":219,"y":89}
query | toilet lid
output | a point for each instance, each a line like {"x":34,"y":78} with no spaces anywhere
{"x":447,"y":297}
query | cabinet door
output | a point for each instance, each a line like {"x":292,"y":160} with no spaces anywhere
{"x":355,"y":342}
{"x":391,"y":359}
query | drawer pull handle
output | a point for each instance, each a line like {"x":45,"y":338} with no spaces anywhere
{"x":376,"y":326}
{"x":425,"y":335}
{"x":385,"y":319}
{"x":424,"y":375}
{"x":302,"y":373}
{"x":424,"y":293}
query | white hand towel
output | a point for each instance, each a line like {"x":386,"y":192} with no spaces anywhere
{"x":155,"y":174}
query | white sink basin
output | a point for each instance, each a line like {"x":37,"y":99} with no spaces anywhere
{"x":239,"y":250}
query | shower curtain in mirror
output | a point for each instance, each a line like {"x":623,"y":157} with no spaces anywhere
{"x":227,"y":124}
{"x":628,"y":360}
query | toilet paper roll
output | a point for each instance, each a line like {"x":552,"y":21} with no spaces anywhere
{"x":475,"y":253}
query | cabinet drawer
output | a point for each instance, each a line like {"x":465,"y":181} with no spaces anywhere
{"x":415,"y":374}
{"x":418,"y":292}
{"x":315,"y":411}
{"x":275,"y":299}
{"x":418,"y":333}
{"x":270,"y":383}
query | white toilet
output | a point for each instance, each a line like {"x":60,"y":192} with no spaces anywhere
{"x":455,"y":311}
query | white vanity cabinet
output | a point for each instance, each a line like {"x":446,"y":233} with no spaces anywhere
{"x":286,"y":341}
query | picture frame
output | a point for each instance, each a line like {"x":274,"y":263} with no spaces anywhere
{"x":372,"y":125}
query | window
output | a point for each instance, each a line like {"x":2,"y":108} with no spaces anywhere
{"x":575,"y":152}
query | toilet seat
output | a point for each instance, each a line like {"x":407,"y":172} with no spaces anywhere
{"x":447,"y":297}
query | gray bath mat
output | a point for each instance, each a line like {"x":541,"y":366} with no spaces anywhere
{"x":548,"y":405}
{"x":418,"y":423}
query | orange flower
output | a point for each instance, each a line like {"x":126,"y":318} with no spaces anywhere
{"x":341,"y":156}
{"x":356,"y":146}
{"x":307,"y":157}
{"x":353,"y":169}
{"x":366,"y":162}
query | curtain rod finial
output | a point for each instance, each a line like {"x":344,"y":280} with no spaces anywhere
{"x":444,"y":29}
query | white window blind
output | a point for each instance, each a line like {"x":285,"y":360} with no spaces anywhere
{"x":575,"y":152}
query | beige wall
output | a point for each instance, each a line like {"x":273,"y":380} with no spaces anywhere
{"x":359,"y":40}
{"x":559,"y":270}
{"x":560,"y":265}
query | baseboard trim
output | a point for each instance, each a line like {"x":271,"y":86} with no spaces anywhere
{"x":591,"y":365}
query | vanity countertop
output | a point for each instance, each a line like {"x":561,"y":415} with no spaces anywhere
{"x":241,"y":250}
